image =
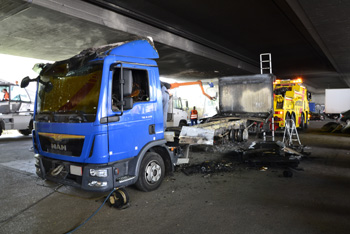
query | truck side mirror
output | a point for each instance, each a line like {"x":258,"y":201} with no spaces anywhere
{"x":128,"y":103}
{"x":122,"y":88}
{"x":25,"y":82}
{"x":309,"y":96}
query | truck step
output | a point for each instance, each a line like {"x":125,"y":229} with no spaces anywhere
{"x":126,"y":179}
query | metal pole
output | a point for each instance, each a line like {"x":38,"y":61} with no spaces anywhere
{"x":273,"y":128}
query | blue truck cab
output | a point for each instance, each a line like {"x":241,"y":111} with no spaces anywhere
{"x":98,"y":119}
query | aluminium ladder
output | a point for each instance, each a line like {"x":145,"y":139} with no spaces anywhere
{"x":265,"y":63}
{"x":290,"y":133}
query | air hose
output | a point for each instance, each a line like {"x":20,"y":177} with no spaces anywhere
{"x":82,"y":224}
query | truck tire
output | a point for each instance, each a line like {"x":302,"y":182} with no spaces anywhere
{"x":294,"y":124}
{"x":28,"y":131}
{"x":302,"y":122}
{"x":25,"y":132}
{"x":2,"y":126}
{"x":151,"y":172}
{"x":307,"y":121}
{"x":182,"y":123}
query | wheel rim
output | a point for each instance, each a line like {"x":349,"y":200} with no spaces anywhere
{"x":153,"y":172}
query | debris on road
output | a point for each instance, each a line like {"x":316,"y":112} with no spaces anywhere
{"x":258,"y":155}
{"x":271,"y":153}
{"x":208,"y":167}
{"x":335,"y":127}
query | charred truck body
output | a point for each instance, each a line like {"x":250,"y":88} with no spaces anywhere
{"x":245,"y":103}
{"x":99,"y":119}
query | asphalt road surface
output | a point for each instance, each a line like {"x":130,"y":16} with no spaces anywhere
{"x":245,"y":200}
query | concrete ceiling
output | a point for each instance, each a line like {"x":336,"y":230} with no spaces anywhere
{"x":195,"y":39}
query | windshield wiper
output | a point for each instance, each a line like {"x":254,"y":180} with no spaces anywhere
{"x":76,"y":116}
{"x":46,"y":116}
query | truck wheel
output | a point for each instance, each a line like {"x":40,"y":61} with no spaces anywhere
{"x":151,"y":172}
{"x":302,"y":122}
{"x":25,"y":132}
{"x":28,"y":131}
{"x":182,"y":123}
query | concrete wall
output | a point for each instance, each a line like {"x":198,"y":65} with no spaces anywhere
{"x":318,"y":98}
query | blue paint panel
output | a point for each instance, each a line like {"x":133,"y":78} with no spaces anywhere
{"x":138,"y":49}
{"x":312,"y":106}
{"x":129,"y":135}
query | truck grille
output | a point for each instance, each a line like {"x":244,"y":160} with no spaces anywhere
{"x":69,"y":145}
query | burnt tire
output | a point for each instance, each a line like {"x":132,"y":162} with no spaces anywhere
{"x":151,"y":172}
{"x":232,"y":135}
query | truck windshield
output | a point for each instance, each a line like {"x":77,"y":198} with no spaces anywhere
{"x":74,"y":96}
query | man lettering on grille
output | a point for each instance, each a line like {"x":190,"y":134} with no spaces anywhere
{"x":194,"y":116}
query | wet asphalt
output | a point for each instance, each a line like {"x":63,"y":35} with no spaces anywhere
{"x":245,"y":200}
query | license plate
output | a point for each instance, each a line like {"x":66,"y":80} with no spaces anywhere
{"x":76,"y":170}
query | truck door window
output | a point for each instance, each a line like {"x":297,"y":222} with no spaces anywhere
{"x":18,"y":94}
{"x":140,"y":87}
{"x":178,"y":103}
{"x":2,"y":93}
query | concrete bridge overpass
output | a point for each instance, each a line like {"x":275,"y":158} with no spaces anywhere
{"x":195,"y":39}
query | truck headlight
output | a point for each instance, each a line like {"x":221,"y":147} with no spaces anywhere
{"x":98,"y":172}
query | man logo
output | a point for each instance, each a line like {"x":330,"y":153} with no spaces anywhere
{"x":58,"y":147}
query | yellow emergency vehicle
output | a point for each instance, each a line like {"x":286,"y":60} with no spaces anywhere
{"x":291,"y":101}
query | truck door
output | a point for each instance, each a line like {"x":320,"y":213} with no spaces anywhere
{"x":134,"y":124}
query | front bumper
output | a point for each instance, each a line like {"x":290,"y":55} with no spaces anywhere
{"x":78,"y":175}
